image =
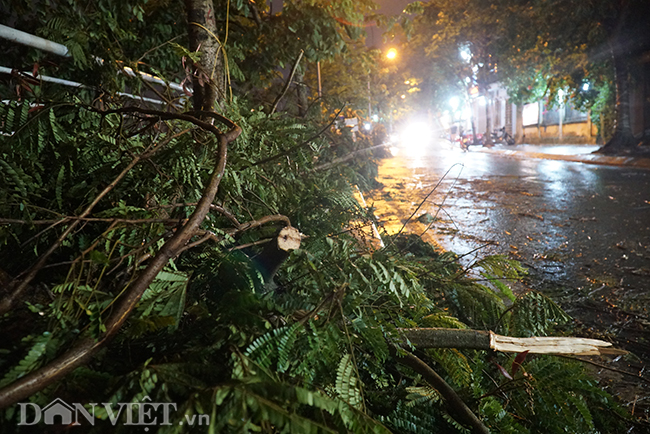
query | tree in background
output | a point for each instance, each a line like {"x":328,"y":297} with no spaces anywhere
{"x":586,"y":50}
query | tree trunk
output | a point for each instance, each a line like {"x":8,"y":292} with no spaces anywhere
{"x":208,"y":80}
{"x":519,"y":124}
{"x":623,"y":139}
{"x":487,"y":139}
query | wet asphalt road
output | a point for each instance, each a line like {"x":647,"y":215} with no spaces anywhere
{"x":582,"y":230}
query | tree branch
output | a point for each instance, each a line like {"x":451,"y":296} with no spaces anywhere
{"x":347,"y":157}
{"x":86,"y":347}
{"x":423,"y":338}
{"x":287,"y":84}
{"x":456,"y":404}
{"x":298,"y":146}
{"x":256,"y":14}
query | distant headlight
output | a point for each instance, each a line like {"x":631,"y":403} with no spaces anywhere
{"x":416,"y":134}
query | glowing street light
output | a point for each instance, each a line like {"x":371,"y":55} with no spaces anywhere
{"x":391,"y":54}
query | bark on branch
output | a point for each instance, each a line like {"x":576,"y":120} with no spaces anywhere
{"x":86,"y":347}
{"x":459,"y":409}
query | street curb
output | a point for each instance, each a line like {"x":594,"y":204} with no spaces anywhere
{"x":604,"y":160}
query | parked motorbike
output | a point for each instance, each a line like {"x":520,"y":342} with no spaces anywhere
{"x":466,"y":140}
{"x":500,"y":135}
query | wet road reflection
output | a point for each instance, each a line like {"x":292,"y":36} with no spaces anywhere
{"x":576,"y":226}
{"x":583,"y":231}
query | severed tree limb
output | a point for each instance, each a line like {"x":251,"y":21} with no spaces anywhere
{"x":458,"y":408}
{"x":423,"y":338}
{"x":85,"y":348}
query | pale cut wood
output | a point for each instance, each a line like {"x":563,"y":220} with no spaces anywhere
{"x":289,"y":239}
{"x":424,"y":338}
{"x":552,"y":345}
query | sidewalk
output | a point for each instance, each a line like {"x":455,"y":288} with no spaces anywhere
{"x":575,"y":153}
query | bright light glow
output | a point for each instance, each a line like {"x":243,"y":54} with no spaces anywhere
{"x":530,"y":114}
{"x":391,"y":54}
{"x":407,"y":82}
{"x":465,"y":54}
{"x":585,"y":86}
{"x":375,"y":118}
{"x":454,"y":102}
{"x":367,"y":126}
{"x":415,"y":135}
{"x":403,"y":96}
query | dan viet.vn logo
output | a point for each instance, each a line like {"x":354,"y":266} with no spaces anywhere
{"x":146,"y":413}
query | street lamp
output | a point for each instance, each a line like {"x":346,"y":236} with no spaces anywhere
{"x":391,"y":54}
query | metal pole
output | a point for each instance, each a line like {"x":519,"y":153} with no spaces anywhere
{"x":45,"y":78}
{"x":33,"y":41}
{"x":23,"y":38}
{"x":320,"y":89}
{"x":369,"y":99}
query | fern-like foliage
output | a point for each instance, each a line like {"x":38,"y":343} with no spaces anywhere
{"x":309,"y":353}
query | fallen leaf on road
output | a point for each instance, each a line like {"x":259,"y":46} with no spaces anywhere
{"x":527,"y":214}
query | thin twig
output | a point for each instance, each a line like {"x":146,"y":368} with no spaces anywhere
{"x":84,"y":219}
{"x":422,"y":203}
{"x":30,"y":274}
{"x":86,"y":347}
{"x":609,"y":368}
{"x":348,"y":157}
{"x":288,"y":83}
{"x":298,"y":146}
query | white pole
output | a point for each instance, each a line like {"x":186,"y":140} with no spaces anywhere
{"x":61,"y":50}
{"x":33,"y":41}
{"x":45,"y":78}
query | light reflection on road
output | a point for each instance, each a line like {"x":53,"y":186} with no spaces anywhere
{"x":575,"y":224}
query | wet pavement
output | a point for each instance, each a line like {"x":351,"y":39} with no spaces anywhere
{"x":583,"y":230}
